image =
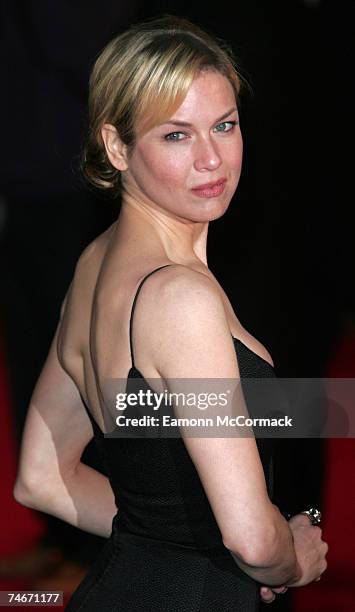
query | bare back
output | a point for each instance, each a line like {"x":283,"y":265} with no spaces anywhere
{"x":93,"y":340}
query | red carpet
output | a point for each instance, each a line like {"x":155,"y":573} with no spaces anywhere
{"x":336,"y":590}
{"x":21,"y":528}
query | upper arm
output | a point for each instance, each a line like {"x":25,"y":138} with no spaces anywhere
{"x":57,"y":428}
{"x":195,"y":342}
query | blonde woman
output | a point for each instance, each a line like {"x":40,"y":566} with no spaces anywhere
{"x":189,"y":521}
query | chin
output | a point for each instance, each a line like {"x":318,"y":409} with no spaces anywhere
{"x":206,"y":217}
{"x":214,"y":211}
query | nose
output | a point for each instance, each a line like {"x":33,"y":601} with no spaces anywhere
{"x":207,"y":156}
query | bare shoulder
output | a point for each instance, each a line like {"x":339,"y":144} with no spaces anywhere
{"x":75,"y":311}
{"x":93,"y":253}
{"x":180,"y":284}
{"x":184,"y":316}
{"x":86,"y":268}
{"x":181,"y":292}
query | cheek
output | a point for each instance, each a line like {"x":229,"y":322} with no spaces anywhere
{"x":165,"y":166}
{"x":235,"y":155}
{"x":174,"y":168}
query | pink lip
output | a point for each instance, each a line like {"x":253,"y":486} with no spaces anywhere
{"x":210,"y":190}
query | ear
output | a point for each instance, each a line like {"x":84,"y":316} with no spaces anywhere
{"x":116,"y":150}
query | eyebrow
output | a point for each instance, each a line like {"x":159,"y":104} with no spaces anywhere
{"x":186,"y":124}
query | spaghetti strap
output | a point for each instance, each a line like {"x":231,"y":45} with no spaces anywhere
{"x":134,"y":305}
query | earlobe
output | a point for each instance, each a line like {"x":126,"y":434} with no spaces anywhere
{"x":116,"y":149}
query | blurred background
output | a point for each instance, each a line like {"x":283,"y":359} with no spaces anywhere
{"x":284,"y":252}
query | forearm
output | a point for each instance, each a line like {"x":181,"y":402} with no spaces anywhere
{"x":83,"y":498}
{"x":278,"y":565}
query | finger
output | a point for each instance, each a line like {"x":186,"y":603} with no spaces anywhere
{"x":267,"y":595}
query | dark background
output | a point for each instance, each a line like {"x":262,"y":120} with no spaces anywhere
{"x":287,"y":234}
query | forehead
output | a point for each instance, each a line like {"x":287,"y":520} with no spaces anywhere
{"x":209,"y":95}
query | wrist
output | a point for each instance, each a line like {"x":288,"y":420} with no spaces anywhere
{"x":297,"y":575}
{"x":297,"y":572}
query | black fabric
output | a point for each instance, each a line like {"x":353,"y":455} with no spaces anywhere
{"x":165,"y":553}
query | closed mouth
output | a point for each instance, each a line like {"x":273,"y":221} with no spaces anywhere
{"x":209,"y":185}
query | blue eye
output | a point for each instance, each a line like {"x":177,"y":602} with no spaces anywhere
{"x":174,"y":136}
{"x":226,"y":126}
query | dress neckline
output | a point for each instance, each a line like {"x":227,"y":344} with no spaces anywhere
{"x":253,"y":352}
{"x":133,"y":368}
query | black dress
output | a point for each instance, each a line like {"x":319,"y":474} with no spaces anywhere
{"x":165,"y":553}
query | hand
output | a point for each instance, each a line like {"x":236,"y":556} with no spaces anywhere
{"x":310,"y":549}
{"x":268,"y":594}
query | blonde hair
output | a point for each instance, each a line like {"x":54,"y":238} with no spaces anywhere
{"x":141,"y":78}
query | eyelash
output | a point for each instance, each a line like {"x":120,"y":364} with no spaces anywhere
{"x":231,"y":123}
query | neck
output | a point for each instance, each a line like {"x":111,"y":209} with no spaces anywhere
{"x":162,"y":234}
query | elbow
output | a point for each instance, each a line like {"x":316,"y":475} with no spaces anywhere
{"x":24,"y":493}
{"x":256,"y":551}
{"x":20,"y":494}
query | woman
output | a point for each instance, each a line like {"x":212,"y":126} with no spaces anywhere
{"x":189,"y":521}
